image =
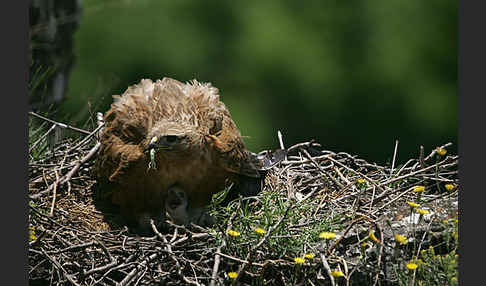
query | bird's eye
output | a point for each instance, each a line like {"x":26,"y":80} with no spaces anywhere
{"x":171,"y":138}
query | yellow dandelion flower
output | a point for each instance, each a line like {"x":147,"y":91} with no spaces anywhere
{"x":337,"y":273}
{"x":361,"y":181}
{"x":260,"y":231}
{"x":364,"y":244}
{"x":418,"y":189}
{"x":32,"y":235}
{"x":299,"y":260}
{"x":454,"y":279}
{"x":413,"y":205}
{"x":373,"y":236}
{"x":233,"y":233}
{"x":422,"y":211}
{"x":411,"y":266}
{"x":449,"y":187}
{"x":456,"y":221}
{"x":401,"y":239}
{"x":309,"y":255}
{"x":327,"y":235}
{"x":440,"y":151}
{"x":232,"y":275}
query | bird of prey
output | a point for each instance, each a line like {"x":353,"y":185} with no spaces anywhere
{"x":169,"y":146}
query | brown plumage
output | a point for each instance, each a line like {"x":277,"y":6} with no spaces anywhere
{"x":198,"y":150}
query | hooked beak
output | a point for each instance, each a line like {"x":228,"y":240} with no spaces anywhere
{"x":153,"y":144}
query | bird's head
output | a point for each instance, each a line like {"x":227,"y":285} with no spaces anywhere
{"x":173,"y":138}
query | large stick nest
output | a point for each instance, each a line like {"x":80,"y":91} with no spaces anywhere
{"x":72,"y":241}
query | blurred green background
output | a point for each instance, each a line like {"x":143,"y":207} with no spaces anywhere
{"x":353,"y":75}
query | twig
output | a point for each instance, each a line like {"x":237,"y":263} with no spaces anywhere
{"x":394,"y":157}
{"x":73,"y":247}
{"x":382,"y":243}
{"x":419,"y":247}
{"x":42,"y":137}
{"x":58,"y":123}
{"x":421,"y":157}
{"x":240,"y":260}
{"x":54,"y":193}
{"x":304,"y":144}
{"x":217,"y":256}
{"x":280,"y":140}
{"x":326,"y":266}
{"x":404,"y":166}
{"x":372,"y":199}
{"x":217,"y":261}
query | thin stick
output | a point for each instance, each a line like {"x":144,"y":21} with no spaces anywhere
{"x":217,"y":256}
{"x":394,"y":157}
{"x":420,"y":246}
{"x":372,"y":199}
{"x":280,"y":140}
{"x":42,"y":137}
{"x":54,"y":193}
{"x":421,"y":158}
{"x":217,"y":260}
{"x":326,"y":266}
{"x":58,"y":123}
{"x":239,"y":260}
{"x":382,"y":243}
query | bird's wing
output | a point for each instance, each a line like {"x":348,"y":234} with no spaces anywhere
{"x":226,"y":141}
{"x":116,"y":157}
{"x":126,"y":126}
